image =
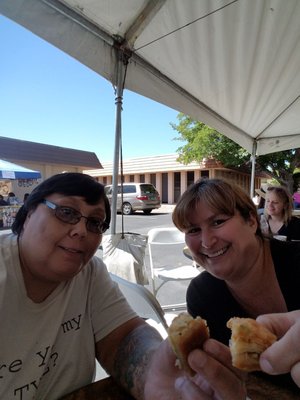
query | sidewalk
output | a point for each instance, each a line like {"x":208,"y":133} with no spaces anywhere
{"x":165,"y":208}
{"x":2,"y":231}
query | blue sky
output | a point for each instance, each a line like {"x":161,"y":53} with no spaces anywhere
{"x":48,"y":97}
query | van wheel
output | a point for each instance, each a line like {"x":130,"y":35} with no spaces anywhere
{"x":147,"y":212}
{"x":127,"y":209}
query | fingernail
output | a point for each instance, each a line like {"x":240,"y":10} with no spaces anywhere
{"x":266,"y":366}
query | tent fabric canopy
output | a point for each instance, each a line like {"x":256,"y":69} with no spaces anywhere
{"x":9,"y":170}
{"x":234,"y":65}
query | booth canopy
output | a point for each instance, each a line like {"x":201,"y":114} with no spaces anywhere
{"x":9,"y":170}
{"x":234,"y":65}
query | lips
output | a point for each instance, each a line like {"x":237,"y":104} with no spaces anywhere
{"x":216,"y":253}
{"x":71,"y":250}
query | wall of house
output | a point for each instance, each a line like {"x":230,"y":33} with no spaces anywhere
{"x":172,"y":184}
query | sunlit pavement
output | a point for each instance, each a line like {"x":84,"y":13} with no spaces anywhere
{"x":2,"y":231}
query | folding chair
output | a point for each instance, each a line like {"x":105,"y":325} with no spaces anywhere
{"x":168,"y":238}
{"x":144,"y":304}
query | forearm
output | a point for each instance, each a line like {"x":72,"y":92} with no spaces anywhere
{"x":133,"y":357}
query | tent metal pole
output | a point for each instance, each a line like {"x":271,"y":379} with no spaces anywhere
{"x":253,"y":161}
{"x":118,"y":133}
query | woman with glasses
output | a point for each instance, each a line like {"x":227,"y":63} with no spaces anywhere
{"x":246,"y":274}
{"x":277,"y":219}
{"x":60,"y":310}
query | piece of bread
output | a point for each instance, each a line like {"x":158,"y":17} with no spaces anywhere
{"x":186,"y":334}
{"x":248,"y":340}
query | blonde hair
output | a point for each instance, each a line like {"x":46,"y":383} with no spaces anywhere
{"x":220,"y":195}
{"x":283,"y":195}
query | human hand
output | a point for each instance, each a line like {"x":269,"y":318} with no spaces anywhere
{"x":284,"y":355}
{"x":215,"y":377}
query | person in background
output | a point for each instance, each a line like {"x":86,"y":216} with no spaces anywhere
{"x":26,"y":195}
{"x":68,"y":312}
{"x":278,"y":214}
{"x":245,"y":273}
{"x":261,"y":200}
{"x":12,"y":199}
{"x":296,"y":198}
{"x":2,"y":201}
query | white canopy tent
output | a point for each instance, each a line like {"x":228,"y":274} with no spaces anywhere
{"x":235,"y":65}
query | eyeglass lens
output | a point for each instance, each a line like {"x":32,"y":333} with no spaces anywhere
{"x":71,"y":216}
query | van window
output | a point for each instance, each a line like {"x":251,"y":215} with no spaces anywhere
{"x":146,"y":189}
{"x":129,"y":189}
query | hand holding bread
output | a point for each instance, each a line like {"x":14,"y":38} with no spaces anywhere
{"x":186,"y":334}
{"x":248,"y":340}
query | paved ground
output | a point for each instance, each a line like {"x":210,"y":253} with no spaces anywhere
{"x":164,"y":208}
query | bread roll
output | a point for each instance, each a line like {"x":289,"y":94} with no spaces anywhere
{"x":186,"y":334}
{"x":248,"y":340}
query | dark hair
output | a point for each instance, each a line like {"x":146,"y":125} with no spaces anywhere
{"x":220,"y":195}
{"x":26,"y":195}
{"x":67,"y":184}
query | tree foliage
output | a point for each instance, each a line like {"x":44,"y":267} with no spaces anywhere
{"x":200,"y":141}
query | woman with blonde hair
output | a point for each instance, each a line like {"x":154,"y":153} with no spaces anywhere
{"x":278,"y":214}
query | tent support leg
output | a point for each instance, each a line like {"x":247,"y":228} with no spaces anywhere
{"x":118,"y":132}
{"x":253,"y":161}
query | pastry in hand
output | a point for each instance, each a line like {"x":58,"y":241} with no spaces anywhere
{"x":248,"y":340}
{"x":186,"y":334}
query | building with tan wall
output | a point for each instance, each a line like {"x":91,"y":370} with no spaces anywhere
{"x":170,"y":177}
{"x":47,"y":159}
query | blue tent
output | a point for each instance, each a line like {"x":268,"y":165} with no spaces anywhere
{"x":13,"y":171}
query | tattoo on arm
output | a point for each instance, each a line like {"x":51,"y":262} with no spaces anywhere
{"x":133,"y":357}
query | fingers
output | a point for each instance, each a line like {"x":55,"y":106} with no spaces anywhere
{"x":295,"y":373}
{"x":283,"y":354}
{"x":222,"y":354}
{"x":279,"y":323}
{"x":214,"y":366}
{"x":189,"y":390}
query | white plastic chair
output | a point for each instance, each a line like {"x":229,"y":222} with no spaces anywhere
{"x":169,"y":238}
{"x":144,"y":304}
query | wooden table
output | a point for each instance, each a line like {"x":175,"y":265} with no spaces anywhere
{"x":107,"y":389}
{"x":261,"y":389}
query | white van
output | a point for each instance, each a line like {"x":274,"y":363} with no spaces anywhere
{"x":136,"y":196}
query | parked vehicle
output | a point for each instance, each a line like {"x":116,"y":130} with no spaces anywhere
{"x":135,"y":196}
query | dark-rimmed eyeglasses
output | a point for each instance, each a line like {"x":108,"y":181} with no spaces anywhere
{"x":71,"y":216}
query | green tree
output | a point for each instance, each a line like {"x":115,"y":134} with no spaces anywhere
{"x":201,"y":141}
